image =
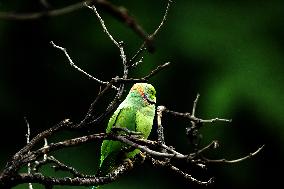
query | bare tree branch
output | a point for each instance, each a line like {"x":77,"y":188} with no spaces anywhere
{"x":160,"y":129}
{"x":155,"y":71}
{"x":57,"y":166}
{"x":76,"y":67}
{"x":195,"y":105}
{"x":12,"y":166}
{"x":121,"y":13}
{"x":118,"y":44}
{"x":195,"y":119}
{"x":235,"y":160}
{"x":213,"y":145}
{"x":89,"y":117}
{"x":190,"y":177}
{"x":163,"y":19}
{"x":160,"y":153}
{"x":145,"y":78}
{"x":47,"y":180}
{"x":118,"y":13}
{"x":132,"y":62}
{"x":28,"y":140}
{"x":37,"y":15}
{"x":187,"y":176}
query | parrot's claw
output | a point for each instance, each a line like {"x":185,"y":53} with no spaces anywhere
{"x":142,"y":156}
{"x":129,"y":162}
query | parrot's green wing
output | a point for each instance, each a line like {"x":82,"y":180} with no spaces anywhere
{"x":144,"y":120}
{"x":143,"y":124}
{"x":112,"y":152}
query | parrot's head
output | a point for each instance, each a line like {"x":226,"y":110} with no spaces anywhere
{"x":146,"y":91}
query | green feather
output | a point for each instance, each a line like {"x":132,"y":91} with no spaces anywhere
{"x":136,"y":113}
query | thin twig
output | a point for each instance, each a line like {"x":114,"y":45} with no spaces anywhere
{"x":28,"y":130}
{"x":118,"y":44}
{"x":235,"y":160}
{"x":160,"y":129}
{"x":112,"y":105}
{"x":90,"y":114}
{"x":37,"y":15}
{"x":195,"y":119}
{"x":142,"y":48}
{"x":28,"y":140}
{"x":45,"y":145}
{"x":124,"y":62}
{"x":122,"y":15}
{"x":192,"y":131}
{"x":214,"y":144}
{"x":194,"y":105}
{"x":214,"y":120}
{"x":180,"y":172}
{"x":155,"y":71}
{"x":14,"y":164}
{"x":129,"y":80}
{"x":163,"y":19}
{"x":120,"y":90}
{"x":59,"y":166}
{"x":145,"y":78}
{"x":190,"y":177}
{"x":76,"y":67}
{"x":133,"y":59}
{"x":133,"y":63}
{"x":93,"y":7}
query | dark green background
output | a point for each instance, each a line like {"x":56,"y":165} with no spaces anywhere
{"x":231,"y":52}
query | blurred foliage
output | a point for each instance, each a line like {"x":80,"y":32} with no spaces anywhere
{"x":231,"y":52}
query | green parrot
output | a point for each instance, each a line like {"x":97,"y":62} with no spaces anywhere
{"x":136,"y":113}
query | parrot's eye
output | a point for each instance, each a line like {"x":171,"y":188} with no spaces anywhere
{"x":150,"y":95}
{"x":152,"y":91}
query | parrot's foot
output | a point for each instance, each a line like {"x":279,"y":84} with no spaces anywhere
{"x":142,"y":156}
{"x":129,"y":162}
